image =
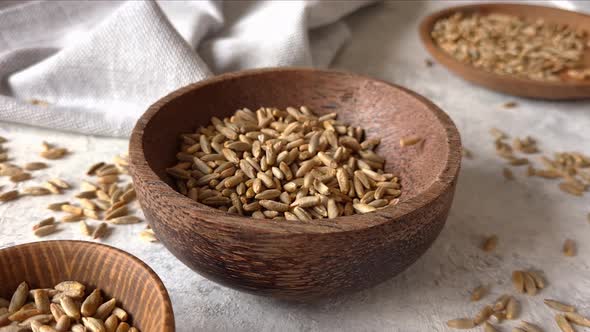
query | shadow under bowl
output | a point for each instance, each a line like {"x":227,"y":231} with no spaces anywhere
{"x":116,"y":273}
{"x":289,"y":259}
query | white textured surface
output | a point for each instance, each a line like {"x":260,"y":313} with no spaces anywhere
{"x":531,"y":216}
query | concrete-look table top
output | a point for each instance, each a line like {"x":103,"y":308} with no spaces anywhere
{"x":531,"y":217}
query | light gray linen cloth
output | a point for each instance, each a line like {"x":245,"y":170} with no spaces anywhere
{"x":100,"y":64}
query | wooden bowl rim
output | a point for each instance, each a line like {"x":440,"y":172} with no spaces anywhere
{"x":436,"y":52}
{"x":442,"y":184}
{"x":168,"y":314}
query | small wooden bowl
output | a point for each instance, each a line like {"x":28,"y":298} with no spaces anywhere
{"x":289,"y":259}
{"x":568,"y":88}
{"x":117,"y":273}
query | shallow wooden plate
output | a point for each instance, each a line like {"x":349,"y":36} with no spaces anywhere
{"x":567,"y":88}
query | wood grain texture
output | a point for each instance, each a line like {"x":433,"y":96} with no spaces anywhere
{"x":116,"y":273}
{"x":568,"y":88}
{"x":289,"y":259}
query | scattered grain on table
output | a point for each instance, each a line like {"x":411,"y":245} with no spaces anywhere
{"x":508,"y":175}
{"x":558,"y":305}
{"x":569,"y":248}
{"x":510,"y":104}
{"x":478,"y":293}
{"x":490,"y":243}
{"x":467,"y":153}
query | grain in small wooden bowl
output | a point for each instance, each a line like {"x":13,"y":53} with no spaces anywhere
{"x":137,"y":288}
{"x":292,"y":259}
{"x":567,"y":88}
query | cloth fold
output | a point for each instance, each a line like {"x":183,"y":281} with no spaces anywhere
{"x":98,"y":65}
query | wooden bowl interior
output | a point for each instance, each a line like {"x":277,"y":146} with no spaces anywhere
{"x":529,"y":12}
{"x":554,"y":15}
{"x":381,"y":109}
{"x":118,"y":274}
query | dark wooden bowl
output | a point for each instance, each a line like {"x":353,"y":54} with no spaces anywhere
{"x":301,"y":260}
{"x":117,"y":273}
{"x":568,"y":88}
